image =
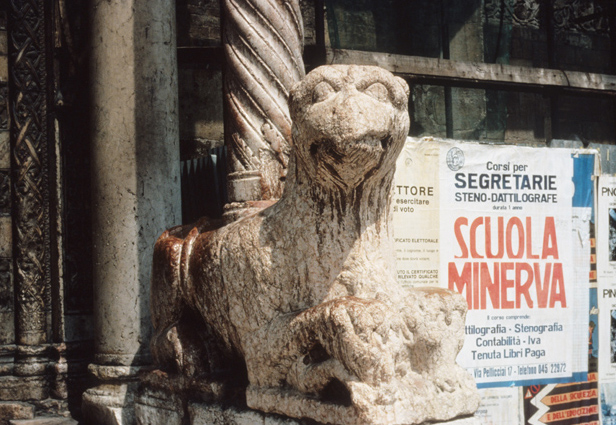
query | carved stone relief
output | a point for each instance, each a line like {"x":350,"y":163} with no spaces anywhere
{"x":5,"y":193}
{"x":29,"y":133}
{"x":523,"y":13}
{"x":6,"y":302}
{"x":300,"y":297}
{"x":569,"y":15}
{"x":4,"y":107}
{"x":580,"y":16}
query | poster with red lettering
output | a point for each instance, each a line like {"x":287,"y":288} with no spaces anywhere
{"x":563,"y":404}
{"x":501,"y":226}
{"x":570,"y":403}
{"x":506,"y":246}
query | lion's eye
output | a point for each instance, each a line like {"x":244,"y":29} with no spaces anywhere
{"x":322,"y":91}
{"x":378,"y":91}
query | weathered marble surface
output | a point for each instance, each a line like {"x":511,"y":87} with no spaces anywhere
{"x":302,"y":295}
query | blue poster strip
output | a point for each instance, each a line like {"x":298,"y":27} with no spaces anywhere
{"x":575,"y":377}
{"x":583,"y":169}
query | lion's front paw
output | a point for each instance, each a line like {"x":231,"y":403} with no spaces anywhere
{"x":363,"y":335}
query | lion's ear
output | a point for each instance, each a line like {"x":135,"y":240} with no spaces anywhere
{"x":404,"y":85}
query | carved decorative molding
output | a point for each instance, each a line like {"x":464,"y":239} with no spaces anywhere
{"x":263,"y":47}
{"x":6,"y":291}
{"x":4,"y":105}
{"x":5,"y":193}
{"x":522,"y":13}
{"x":30,"y":132}
{"x":580,"y":16}
{"x":526,"y":13}
{"x":569,"y":15}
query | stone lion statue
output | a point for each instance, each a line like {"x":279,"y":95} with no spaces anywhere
{"x":300,"y":297}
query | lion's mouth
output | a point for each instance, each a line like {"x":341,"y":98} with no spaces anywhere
{"x":374,"y":142}
{"x":370,"y":143}
{"x":386,"y":142}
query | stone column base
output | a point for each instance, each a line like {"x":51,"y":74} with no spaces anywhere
{"x":109,"y":405}
{"x":244,"y":186}
{"x":112,"y":402}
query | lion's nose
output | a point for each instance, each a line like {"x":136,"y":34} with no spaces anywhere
{"x":358,"y":117}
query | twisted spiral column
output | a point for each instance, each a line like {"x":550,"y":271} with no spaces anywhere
{"x":263,"y":42}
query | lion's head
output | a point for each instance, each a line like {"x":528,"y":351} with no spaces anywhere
{"x":349,"y":123}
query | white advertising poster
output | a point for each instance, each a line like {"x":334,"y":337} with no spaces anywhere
{"x":581,"y":274}
{"x":606,"y":277}
{"x":504,"y":241}
{"x":416,"y":214}
{"x":500,"y":406}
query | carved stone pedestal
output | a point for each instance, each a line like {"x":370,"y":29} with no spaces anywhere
{"x":155,"y":407}
{"x":163,"y":399}
{"x":204,"y":414}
